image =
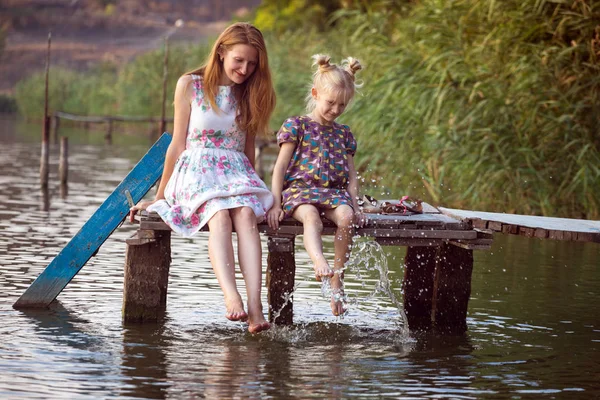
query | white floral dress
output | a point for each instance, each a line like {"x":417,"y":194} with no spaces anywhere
{"x":212,"y":173}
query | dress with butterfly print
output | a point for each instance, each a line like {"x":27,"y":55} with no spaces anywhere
{"x":318,"y":171}
{"x":212,"y":173}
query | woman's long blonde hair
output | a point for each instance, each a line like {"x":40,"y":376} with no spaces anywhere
{"x":256,"y":96}
{"x":333,"y":78}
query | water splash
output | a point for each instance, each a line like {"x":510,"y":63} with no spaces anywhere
{"x":369,"y":256}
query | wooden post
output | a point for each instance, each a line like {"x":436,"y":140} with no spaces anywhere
{"x":452,"y":289}
{"x":281,"y":273}
{"x":63,"y":166}
{"x":147,"y":264}
{"x":419,"y":273}
{"x":163,"y":123}
{"x":108,"y":134}
{"x":44,"y":157}
{"x":54,"y":128}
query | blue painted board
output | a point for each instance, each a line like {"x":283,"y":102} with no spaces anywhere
{"x":96,"y":230}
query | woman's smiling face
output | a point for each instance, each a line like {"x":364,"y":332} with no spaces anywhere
{"x":239,"y":62}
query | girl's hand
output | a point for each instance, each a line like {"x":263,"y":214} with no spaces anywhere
{"x":360,"y":219}
{"x":274,"y":216}
{"x":142,"y":205}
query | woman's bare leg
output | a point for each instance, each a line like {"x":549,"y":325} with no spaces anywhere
{"x":343,"y":217}
{"x":250,"y":259}
{"x":220,"y":251}
{"x":313,"y":228}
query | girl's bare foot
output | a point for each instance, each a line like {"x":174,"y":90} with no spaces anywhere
{"x":256,"y":321}
{"x":338,"y":303}
{"x":258,"y":327}
{"x":338,"y":299}
{"x":235,"y":310}
{"x":321,"y":270}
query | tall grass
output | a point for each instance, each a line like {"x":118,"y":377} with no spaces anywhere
{"x":476,"y":104}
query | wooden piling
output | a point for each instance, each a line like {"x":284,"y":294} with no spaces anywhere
{"x":45,"y":150}
{"x":451,"y":290}
{"x":281,"y":273}
{"x":419,"y":272}
{"x":163,"y":122}
{"x":109,"y":130}
{"x":147,"y":263}
{"x":63,"y":167}
{"x":63,"y":163}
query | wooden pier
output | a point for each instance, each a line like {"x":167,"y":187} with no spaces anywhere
{"x":437,"y":281}
{"x":438,"y":262}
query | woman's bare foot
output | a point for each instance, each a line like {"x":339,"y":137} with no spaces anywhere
{"x":321,"y":270}
{"x":235,"y":310}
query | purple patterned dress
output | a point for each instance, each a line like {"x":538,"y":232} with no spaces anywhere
{"x":318,"y":171}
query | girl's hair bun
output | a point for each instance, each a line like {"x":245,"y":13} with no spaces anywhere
{"x":351,"y":65}
{"x":322,"y":61}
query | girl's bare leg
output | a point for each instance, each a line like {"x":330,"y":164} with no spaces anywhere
{"x":343,"y":217}
{"x":250,"y":259}
{"x":220,"y":251}
{"x":313,"y":228}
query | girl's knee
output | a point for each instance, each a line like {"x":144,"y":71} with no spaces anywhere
{"x":346,"y":220}
{"x":314,"y":220}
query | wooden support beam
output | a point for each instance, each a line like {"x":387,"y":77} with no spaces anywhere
{"x":451,"y":290}
{"x":147,"y":263}
{"x":281,"y":274}
{"x":419,"y":272}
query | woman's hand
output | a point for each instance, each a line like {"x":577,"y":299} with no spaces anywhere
{"x":274,"y":216}
{"x":142,"y":205}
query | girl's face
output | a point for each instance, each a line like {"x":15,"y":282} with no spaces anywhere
{"x":239,"y":62}
{"x":329,"y":105}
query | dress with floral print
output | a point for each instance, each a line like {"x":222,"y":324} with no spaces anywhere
{"x":212,"y":173}
{"x":318,"y":171}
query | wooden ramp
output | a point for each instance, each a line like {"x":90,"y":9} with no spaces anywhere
{"x":96,"y":230}
{"x":531,"y":226}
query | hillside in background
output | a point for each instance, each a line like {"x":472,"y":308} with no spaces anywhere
{"x":88,"y":32}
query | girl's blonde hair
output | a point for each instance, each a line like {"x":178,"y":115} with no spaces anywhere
{"x":333,"y":78}
{"x":256,"y":96}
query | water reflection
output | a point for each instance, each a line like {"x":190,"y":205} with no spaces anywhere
{"x":144,"y":361}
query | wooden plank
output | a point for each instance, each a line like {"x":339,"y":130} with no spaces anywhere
{"x":510,"y":229}
{"x":557,"y":228}
{"x":495,"y":226}
{"x":411,"y":242}
{"x":419,"y":234}
{"x":96,"y":230}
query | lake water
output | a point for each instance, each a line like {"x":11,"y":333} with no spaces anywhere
{"x":533,"y":322}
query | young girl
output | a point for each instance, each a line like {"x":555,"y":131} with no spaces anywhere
{"x":314,"y":174}
{"x":208,"y":176}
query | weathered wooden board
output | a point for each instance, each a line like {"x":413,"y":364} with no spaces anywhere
{"x":96,"y":230}
{"x":531,"y":226}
